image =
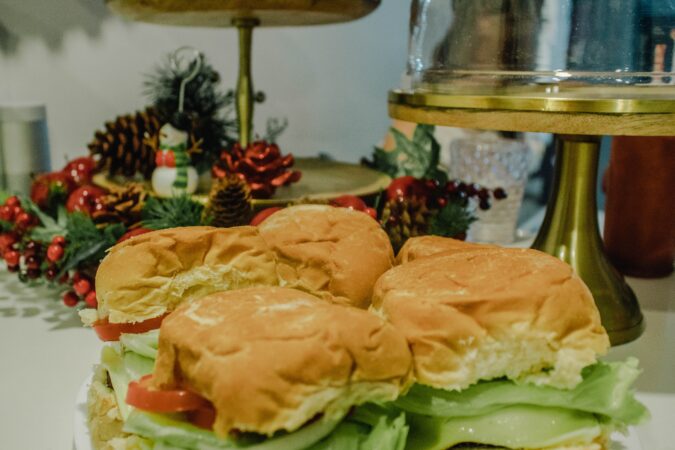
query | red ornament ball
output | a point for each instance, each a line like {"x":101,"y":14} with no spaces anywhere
{"x":80,"y":170}
{"x":350,"y":202}
{"x":86,"y":199}
{"x":59,"y":240}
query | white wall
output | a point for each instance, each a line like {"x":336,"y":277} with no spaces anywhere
{"x":87,"y":66}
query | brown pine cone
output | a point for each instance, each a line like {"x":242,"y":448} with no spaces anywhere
{"x":123,"y":205}
{"x":403,"y":218}
{"x":127,"y":145}
{"x":230,"y":202}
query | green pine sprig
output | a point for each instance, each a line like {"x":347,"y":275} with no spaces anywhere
{"x":451,"y":221}
{"x":172,"y":212}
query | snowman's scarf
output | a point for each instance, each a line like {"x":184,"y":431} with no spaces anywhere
{"x":182,"y":162}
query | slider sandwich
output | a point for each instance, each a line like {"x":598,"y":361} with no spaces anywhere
{"x":260,"y":369}
{"x":334,"y":253}
{"x":505,"y":345}
{"x":144,"y":278}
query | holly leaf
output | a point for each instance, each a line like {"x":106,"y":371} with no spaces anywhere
{"x":418,"y":157}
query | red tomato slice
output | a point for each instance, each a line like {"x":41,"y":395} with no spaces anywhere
{"x":107,"y":331}
{"x":203,"y":417}
{"x":141,"y":395}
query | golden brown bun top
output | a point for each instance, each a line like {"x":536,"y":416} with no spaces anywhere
{"x":422,"y":246}
{"x":148,"y":275}
{"x":496,"y":312}
{"x":334,"y":253}
{"x":273,"y":358}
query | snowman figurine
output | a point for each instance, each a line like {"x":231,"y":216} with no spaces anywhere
{"x":174,"y":175}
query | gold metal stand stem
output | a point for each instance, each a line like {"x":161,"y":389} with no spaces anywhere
{"x":245,"y":82}
{"x":570,"y":232}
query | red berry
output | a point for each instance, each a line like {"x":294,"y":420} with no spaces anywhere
{"x":350,"y":202}
{"x":32,"y":262}
{"x":77,"y":276}
{"x":24,"y":220}
{"x":59,"y":240}
{"x":483,"y":194}
{"x":13,"y":201}
{"x":499,"y":193}
{"x":33,"y":273}
{"x":16,"y":210}
{"x":7,"y":240}
{"x":7,"y":213}
{"x":484,"y":205}
{"x":82,"y":286}
{"x":90,"y":299}
{"x":54,"y":252}
{"x":12,"y":257}
{"x":64,"y":278}
{"x":13,"y":268}
{"x":70,"y":299}
{"x":51,"y":273}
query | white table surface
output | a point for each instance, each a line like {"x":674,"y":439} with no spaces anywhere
{"x":45,"y":355}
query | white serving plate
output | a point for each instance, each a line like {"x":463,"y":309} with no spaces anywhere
{"x":82,"y":440}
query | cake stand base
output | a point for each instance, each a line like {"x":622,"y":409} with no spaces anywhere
{"x":570,"y":232}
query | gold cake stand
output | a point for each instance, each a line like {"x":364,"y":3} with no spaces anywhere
{"x":578,"y":117}
{"x":244,"y":15}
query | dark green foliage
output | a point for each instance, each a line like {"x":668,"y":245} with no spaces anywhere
{"x":180,"y":211}
{"x":87,"y":244}
{"x":451,"y":221}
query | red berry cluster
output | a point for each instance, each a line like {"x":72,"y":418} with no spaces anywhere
{"x":19,"y":219}
{"x":17,"y":222}
{"x":83,"y":290}
{"x":437,"y":194}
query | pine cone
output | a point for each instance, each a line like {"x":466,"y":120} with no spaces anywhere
{"x":126,"y":147}
{"x":230,"y":202}
{"x":261,"y":165}
{"x":121,"y":206}
{"x":403,"y":218}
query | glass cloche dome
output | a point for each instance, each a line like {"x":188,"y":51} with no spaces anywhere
{"x":512,"y":46}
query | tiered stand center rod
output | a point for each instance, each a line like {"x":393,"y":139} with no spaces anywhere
{"x":570,"y":228}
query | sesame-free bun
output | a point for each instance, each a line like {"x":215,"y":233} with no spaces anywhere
{"x":334,"y":253}
{"x":470,"y":316}
{"x":422,"y":246}
{"x":149,"y":275}
{"x":273,"y":358}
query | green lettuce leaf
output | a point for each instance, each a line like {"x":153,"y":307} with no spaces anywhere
{"x":518,"y":426}
{"x":145,"y":344}
{"x":605,"y":390}
{"x":369,"y":427}
{"x":170,"y":432}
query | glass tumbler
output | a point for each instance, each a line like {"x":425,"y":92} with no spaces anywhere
{"x":493,"y":162}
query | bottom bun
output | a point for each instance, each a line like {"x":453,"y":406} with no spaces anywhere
{"x":104,"y":419}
